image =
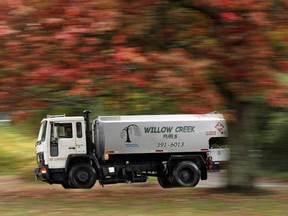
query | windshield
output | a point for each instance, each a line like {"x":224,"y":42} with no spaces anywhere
{"x":42,"y":132}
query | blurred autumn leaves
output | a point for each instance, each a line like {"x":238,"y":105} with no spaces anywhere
{"x":202,"y":54}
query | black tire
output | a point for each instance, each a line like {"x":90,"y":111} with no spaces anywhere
{"x":165,"y":181}
{"x":82,"y":176}
{"x":66,"y":185}
{"x":186,"y":174}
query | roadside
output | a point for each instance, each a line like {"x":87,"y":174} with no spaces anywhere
{"x":22,"y":197}
{"x":218,"y":179}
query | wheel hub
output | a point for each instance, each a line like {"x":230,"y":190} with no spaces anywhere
{"x":185,"y":175}
{"x":83,"y":176}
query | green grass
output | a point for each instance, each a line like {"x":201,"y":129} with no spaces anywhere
{"x":17,"y":151}
{"x":282,"y":176}
{"x":20,"y":198}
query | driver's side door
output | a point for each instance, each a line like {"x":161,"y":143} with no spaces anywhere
{"x":62,"y":143}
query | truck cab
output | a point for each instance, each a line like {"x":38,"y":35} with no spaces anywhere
{"x":59,"y":137}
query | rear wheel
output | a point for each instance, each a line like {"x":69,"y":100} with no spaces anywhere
{"x":165,"y":181}
{"x":186,"y":174}
{"x":82,"y":176}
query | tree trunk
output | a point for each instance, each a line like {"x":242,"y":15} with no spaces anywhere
{"x":241,"y":168}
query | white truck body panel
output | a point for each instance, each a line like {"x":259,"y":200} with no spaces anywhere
{"x":158,"y":133}
{"x":219,"y":155}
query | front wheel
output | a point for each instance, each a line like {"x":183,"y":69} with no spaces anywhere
{"x":66,"y":185}
{"x":82,"y":176}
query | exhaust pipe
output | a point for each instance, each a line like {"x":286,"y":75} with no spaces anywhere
{"x":88,"y":131}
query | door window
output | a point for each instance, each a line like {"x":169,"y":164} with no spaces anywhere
{"x":59,"y":131}
{"x":79,"y":129}
{"x":53,"y":141}
{"x":65,"y":130}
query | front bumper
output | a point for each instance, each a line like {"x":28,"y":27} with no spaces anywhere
{"x":42,"y":173}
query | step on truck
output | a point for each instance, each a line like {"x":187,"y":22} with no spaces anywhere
{"x":74,"y":152}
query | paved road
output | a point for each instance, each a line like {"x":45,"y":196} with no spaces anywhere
{"x":219,"y":179}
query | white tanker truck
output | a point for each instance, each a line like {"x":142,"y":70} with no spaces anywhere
{"x":75,"y":153}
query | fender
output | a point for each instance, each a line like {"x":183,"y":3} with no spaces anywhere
{"x":83,"y":156}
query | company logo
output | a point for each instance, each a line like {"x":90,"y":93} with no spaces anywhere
{"x":127,"y":133}
{"x":219,"y":126}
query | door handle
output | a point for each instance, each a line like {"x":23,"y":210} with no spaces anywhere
{"x":71,"y":148}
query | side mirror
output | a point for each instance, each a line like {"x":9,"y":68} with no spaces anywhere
{"x":54,"y":133}
{"x":38,"y":142}
{"x":54,"y":140}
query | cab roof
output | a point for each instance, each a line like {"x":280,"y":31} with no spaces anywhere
{"x":63,"y":118}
